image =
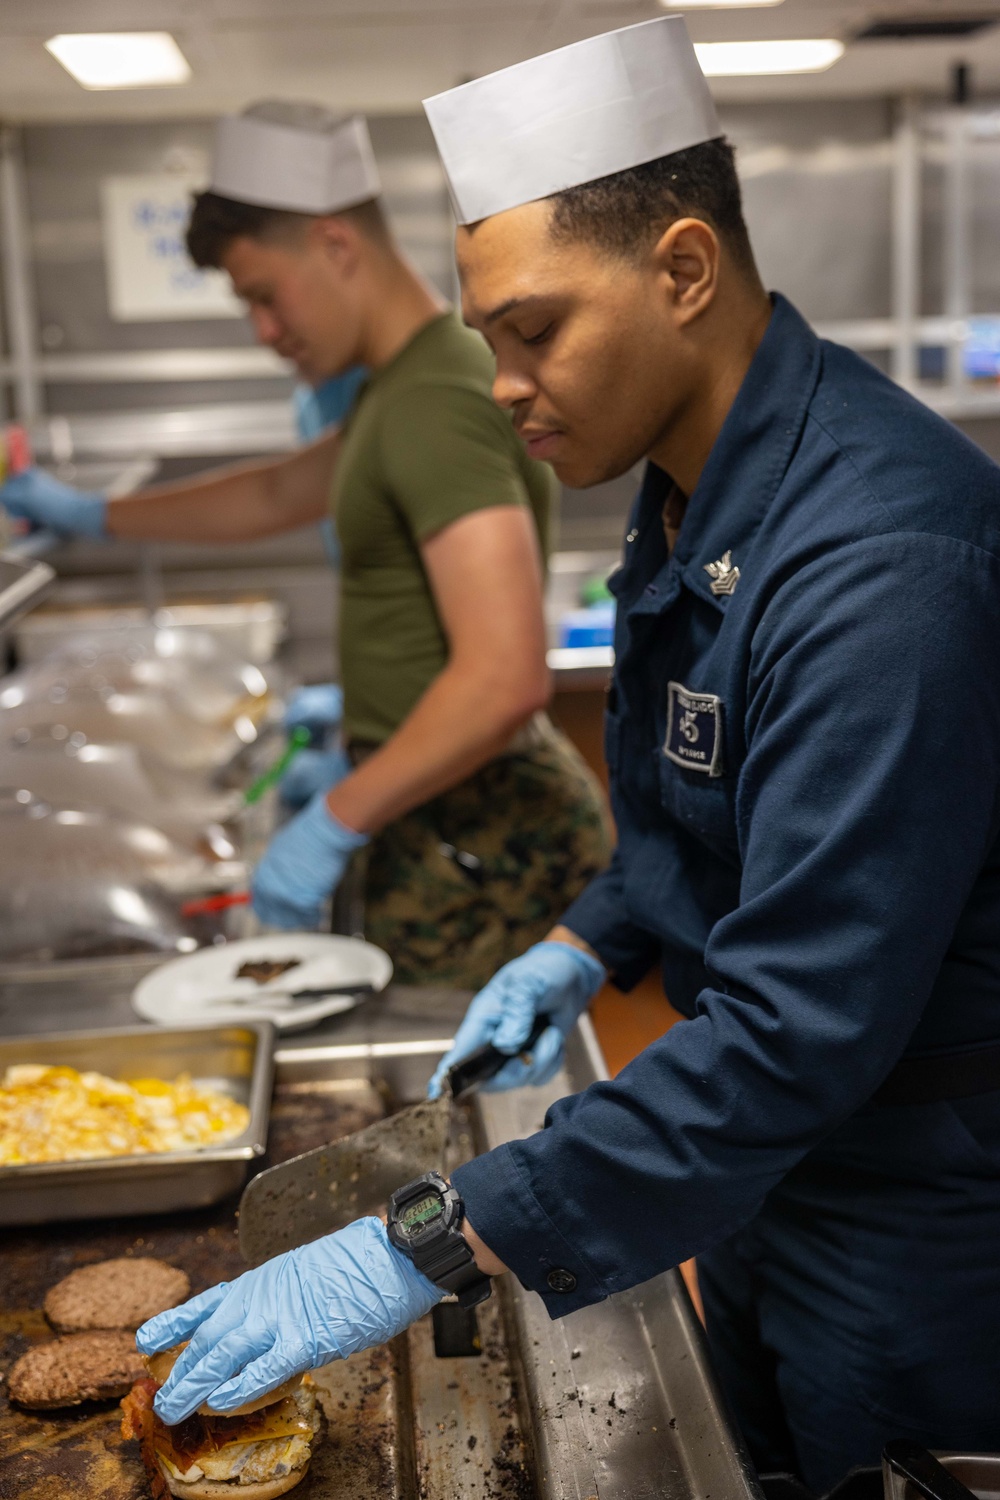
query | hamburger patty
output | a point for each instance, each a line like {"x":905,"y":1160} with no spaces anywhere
{"x":77,"y":1367}
{"x":114,"y":1294}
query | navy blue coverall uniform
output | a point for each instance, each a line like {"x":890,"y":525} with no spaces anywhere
{"x":805,"y":764}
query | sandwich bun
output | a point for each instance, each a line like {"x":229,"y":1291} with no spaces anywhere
{"x":212,"y":1489}
{"x":159,"y":1367}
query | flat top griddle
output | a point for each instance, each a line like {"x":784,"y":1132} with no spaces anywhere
{"x":615,"y":1402}
{"x":400,"y":1422}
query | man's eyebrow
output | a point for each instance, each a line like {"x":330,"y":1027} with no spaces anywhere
{"x":505,"y":307}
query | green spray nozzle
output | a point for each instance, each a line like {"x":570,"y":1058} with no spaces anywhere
{"x":297,"y":740}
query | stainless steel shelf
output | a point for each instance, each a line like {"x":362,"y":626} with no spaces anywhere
{"x":154,"y":364}
{"x":211,"y":431}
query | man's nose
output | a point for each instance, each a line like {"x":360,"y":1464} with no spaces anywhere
{"x":266,"y":327}
{"x":510,"y":388}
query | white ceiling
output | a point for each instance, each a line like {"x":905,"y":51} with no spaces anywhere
{"x":385,"y":55}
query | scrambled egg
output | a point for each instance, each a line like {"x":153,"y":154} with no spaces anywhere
{"x":59,"y":1114}
{"x":250,"y":1463}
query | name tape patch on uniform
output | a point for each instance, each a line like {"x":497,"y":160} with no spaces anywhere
{"x":694,"y":730}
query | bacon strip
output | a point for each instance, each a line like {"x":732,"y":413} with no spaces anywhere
{"x":140,"y":1421}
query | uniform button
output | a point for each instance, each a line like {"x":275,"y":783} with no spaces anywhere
{"x":561,"y":1280}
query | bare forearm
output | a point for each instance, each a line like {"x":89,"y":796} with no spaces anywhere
{"x":465,"y":718}
{"x":232,"y":504}
{"x":561,"y":934}
{"x":227,"y":505}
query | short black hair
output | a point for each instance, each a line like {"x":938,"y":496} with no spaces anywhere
{"x":216,"y":221}
{"x":624,"y":213}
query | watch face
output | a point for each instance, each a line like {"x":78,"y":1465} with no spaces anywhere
{"x":415,"y":1217}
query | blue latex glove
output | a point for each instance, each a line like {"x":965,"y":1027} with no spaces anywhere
{"x":317,"y":708}
{"x":303,"y":863}
{"x":302,"y":1309}
{"x":313,"y":771}
{"x":36,"y":496}
{"x":551,"y":978}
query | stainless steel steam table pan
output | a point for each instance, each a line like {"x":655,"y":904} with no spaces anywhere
{"x":238,"y":1060}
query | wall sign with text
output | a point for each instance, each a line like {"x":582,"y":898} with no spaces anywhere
{"x":148,"y":271}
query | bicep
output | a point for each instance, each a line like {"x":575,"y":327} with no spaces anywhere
{"x":485,"y":571}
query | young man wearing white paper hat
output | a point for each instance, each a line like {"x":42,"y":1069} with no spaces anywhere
{"x":477,"y":812}
{"x":803,"y":736}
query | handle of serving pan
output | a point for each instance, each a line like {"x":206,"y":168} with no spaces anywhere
{"x":486,"y":1062}
{"x":321,"y":993}
{"x":922,"y":1470}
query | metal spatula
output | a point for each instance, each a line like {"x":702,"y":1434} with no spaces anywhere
{"x":325,"y":1189}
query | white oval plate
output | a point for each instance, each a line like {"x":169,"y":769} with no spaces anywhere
{"x":189,"y":988}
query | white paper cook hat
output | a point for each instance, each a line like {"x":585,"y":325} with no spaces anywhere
{"x":293,"y":156}
{"x":568,"y":117}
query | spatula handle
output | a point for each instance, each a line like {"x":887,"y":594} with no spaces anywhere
{"x":485,"y":1063}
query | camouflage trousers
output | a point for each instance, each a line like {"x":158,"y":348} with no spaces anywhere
{"x":459,"y":886}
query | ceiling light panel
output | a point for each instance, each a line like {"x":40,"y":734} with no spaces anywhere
{"x":121,"y":59}
{"x":756,"y":59}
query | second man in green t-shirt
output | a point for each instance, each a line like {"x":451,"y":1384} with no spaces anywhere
{"x":475,"y":820}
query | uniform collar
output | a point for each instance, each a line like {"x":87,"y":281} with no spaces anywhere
{"x":752,"y":452}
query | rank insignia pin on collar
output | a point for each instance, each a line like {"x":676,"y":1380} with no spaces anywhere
{"x":724,"y":575}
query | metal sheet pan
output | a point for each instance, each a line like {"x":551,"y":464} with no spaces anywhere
{"x":979,"y":1472}
{"x":236,"y":1059}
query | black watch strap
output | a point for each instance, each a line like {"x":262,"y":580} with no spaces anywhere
{"x":452,"y":1266}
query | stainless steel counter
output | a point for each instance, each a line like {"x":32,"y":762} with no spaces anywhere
{"x":23,"y":582}
{"x":617,"y":1400}
{"x":287,"y":571}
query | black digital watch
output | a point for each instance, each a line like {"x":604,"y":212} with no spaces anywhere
{"x":424,"y":1223}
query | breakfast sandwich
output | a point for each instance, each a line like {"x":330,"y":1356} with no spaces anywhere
{"x":258,"y":1452}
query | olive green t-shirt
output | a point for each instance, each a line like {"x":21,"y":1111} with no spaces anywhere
{"x":424,"y":445}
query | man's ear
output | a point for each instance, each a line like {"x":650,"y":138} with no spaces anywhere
{"x":338,"y":239}
{"x":687,"y":257}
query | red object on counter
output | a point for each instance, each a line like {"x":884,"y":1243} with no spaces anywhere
{"x":18,"y":445}
{"x":205,"y":905}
